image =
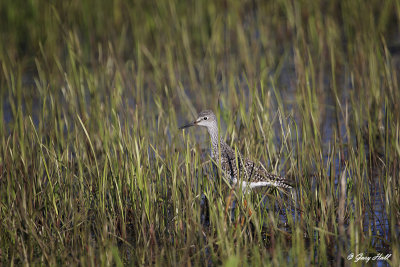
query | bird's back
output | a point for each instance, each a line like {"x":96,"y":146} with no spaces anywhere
{"x":236,"y":167}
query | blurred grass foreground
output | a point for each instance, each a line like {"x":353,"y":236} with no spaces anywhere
{"x":93,"y":168}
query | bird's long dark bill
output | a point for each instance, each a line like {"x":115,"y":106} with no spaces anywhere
{"x":187,"y":125}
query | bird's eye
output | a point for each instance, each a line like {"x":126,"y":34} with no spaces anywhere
{"x":205,"y":118}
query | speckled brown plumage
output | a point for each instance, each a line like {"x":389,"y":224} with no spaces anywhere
{"x":251,"y":173}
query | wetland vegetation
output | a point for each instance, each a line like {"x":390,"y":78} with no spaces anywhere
{"x":93,"y":168}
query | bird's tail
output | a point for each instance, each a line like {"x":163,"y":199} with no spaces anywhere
{"x":279,"y":181}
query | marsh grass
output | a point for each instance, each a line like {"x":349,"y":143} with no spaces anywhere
{"x":93,"y":168}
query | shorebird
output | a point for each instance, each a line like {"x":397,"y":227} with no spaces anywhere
{"x":233,"y":165}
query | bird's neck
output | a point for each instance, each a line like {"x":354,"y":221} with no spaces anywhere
{"x":216,"y":140}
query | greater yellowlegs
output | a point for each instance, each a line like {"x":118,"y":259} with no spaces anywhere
{"x":235,"y":168}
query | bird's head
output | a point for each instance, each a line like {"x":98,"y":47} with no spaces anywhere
{"x":205,"y":118}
